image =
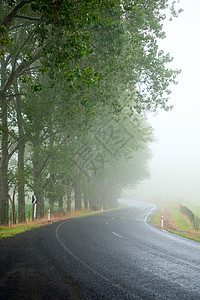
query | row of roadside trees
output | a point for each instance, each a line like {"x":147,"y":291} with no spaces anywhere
{"x":76,"y":78}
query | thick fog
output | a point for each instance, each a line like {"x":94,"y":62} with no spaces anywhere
{"x":175,"y":167}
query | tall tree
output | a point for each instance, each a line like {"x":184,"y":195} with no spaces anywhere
{"x":32,"y":28}
{"x":66,"y":37}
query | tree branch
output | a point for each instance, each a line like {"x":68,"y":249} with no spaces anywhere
{"x":16,"y":147}
{"x":22,"y":46}
{"x":25,"y":65}
{"x":28,"y":18}
{"x":14,"y":95}
{"x":8,"y":19}
{"x":19,"y":71}
{"x":19,"y":26}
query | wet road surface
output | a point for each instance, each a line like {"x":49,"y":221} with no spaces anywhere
{"x":111,"y":255}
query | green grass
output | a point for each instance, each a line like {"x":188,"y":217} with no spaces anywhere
{"x":9,"y":232}
{"x":194,"y":207}
{"x":180,"y":224}
{"x":178,"y":218}
{"x":156,"y":219}
{"x":196,"y":239}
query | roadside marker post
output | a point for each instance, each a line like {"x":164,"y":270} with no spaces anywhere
{"x":35,"y":210}
{"x":49,"y":215}
{"x":34,"y":202}
{"x":162,"y":222}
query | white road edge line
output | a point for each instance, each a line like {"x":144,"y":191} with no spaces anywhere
{"x":148,"y":213}
{"x":117,"y":234}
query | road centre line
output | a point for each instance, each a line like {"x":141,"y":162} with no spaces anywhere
{"x":117,"y":234}
{"x":144,"y":214}
{"x":142,"y":208}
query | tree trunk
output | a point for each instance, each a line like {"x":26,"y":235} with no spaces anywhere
{"x":37,"y":179}
{"x":51,"y":204}
{"x":60,"y":203}
{"x":69,"y":193}
{"x":21,"y":193}
{"x":4,"y":197}
{"x":85,"y":200}
{"x":21,"y":154}
{"x":51,"y":193}
{"x":12,"y":202}
{"x":77,"y":192}
{"x":38,"y":189}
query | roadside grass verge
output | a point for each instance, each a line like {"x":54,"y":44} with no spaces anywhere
{"x":194,"y":207}
{"x":9,"y":232}
{"x":196,"y":239}
{"x":181,"y":222}
{"x":174,"y":221}
{"x":20,"y":228}
{"x":156,"y":219}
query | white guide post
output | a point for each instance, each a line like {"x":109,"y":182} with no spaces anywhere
{"x":35,"y":209}
{"x":34,"y":202}
{"x":162,"y":222}
{"x":49,"y":215}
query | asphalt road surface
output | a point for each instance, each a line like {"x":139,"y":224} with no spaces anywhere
{"x":111,"y":255}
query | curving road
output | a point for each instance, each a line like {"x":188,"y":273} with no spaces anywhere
{"x":112,"y":255}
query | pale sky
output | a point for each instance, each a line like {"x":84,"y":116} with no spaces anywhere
{"x":175,"y":167}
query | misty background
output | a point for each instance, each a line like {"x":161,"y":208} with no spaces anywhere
{"x":175,"y":166}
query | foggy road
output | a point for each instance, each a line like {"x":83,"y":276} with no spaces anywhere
{"x":111,"y":255}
